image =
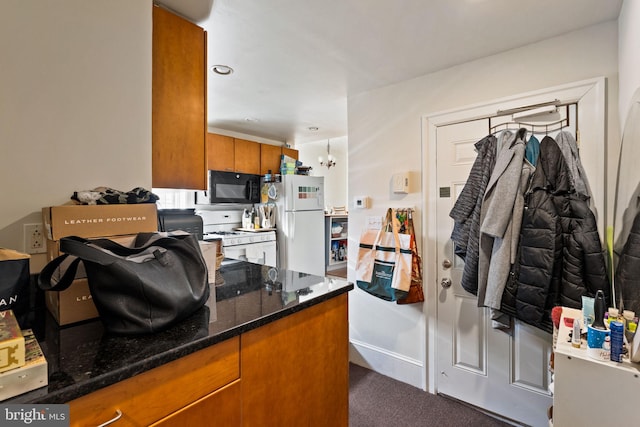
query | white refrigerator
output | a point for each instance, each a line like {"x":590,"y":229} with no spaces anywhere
{"x":299,"y":202}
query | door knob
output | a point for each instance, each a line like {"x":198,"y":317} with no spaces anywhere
{"x":445,"y":283}
{"x":446,"y":263}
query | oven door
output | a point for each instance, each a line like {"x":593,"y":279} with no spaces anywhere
{"x":258,"y":253}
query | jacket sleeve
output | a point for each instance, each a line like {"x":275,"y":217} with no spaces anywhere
{"x":585,"y":267}
{"x":628,"y":271}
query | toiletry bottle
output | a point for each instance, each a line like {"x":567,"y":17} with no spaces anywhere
{"x":629,"y":326}
{"x":245,"y":217}
{"x":617,"y":339}
{"x":575,"y":335}
{"x":613,"y":315}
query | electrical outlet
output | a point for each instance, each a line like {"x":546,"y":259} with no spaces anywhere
{"x":34,"y":242}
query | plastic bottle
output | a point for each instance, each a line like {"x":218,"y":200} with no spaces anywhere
{"x":617,"y":340}
{"x":613,"y":315}
{"x":576,"y":341}
{"x":246,"y":219}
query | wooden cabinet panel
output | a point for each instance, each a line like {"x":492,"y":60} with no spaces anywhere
{"x":178,"y":102}
{"x":220,"y":152}
{"x":247,"y":156}
{"x":220,"y":408}
{"x":310,"y":369}
{"x":154,"y":394}
{"x":290,"y":152}
{"x":269,"y":158}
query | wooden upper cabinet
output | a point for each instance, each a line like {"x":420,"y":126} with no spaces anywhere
{"x":247,"y":155}
{"x":290,"y":152}
{"x":220,"y":152}
{"x":226,"y":153}
{"x":269,"y":158}
{"x":178,"y":102}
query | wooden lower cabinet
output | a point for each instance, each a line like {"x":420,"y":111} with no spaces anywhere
{"x":220,"y":408}
{"x":295,"y":371}
{"x":159,"y":392}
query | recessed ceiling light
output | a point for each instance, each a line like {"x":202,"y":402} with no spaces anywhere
{"x":223,"y":70}
{"x":313,"y":128}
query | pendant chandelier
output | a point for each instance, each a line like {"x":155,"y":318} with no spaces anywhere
{"x":330,"y":159}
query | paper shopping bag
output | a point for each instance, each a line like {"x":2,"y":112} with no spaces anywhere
{"x":14,"y":281}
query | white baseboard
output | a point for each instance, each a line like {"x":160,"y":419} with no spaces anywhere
{"x":387,"y":363}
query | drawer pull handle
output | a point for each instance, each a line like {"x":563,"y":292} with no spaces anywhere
{"x":114,"y":419}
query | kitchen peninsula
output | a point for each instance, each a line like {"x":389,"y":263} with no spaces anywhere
{"x":269,"y":348}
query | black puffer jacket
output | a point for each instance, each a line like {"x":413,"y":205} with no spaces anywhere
{"x":560,"y":255}
{"x":628,"y":270}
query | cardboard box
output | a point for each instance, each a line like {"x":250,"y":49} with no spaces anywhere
{"x":11,"y":342}
{"x":74,"y":304}
{"x":29,"y":377}
{"x":99,"y":220}
{"x":53,"y":251}
{"x":210,"y":250}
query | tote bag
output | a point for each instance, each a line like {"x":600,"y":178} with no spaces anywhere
{"x":383,"y":266}
{"x":416,"y":293}
{"x":147,"y":288}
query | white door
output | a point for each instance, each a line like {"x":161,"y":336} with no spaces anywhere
{"x":485,"y":367}
{"x":470,"y":361}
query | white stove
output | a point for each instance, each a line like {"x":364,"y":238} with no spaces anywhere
{"x":257,"y":246}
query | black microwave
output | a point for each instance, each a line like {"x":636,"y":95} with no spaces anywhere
{"x":230,"y":187}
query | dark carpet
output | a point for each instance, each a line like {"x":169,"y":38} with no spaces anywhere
{"x":376,"y":400}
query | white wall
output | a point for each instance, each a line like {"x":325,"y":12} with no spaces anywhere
{"x":335,"y":178}
{"x":629,"y":54}
{"x":75,"y":104}
{"x":385,"y":138}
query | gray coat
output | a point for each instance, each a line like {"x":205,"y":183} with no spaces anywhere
{"x":578,"y":176}
{"x":500,"y":219}
{"x":466,"y":212}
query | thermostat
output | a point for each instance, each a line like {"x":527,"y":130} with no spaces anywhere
{"x":361,"y":202}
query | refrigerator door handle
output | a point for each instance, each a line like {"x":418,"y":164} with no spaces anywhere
{"x":292,"y":229}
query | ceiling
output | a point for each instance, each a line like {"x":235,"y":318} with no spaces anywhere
{"x":295,"y":62}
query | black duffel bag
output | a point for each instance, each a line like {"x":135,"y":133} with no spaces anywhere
{"x":159,"y":281}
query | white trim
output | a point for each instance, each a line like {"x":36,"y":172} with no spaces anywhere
{"x":568,"y":93}
{"x":388,"y":363}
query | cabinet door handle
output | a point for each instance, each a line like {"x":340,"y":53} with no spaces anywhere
{"x":112,"y":420}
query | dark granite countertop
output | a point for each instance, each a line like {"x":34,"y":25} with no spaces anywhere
{"x":83,"y":358}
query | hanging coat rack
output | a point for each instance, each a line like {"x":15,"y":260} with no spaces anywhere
{"x":532,"y":127}
{"x":400,"y":212}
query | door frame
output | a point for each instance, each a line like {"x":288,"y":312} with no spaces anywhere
{"x":593,"y":154}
